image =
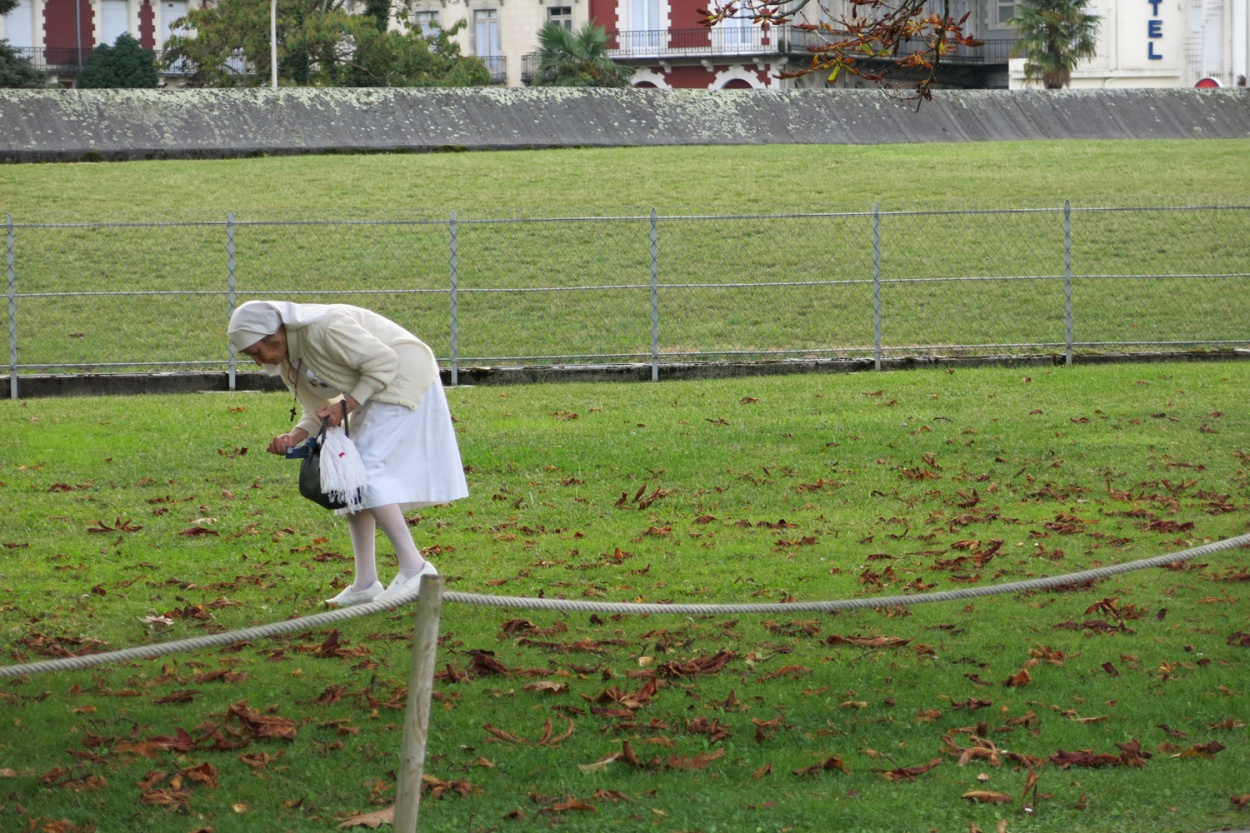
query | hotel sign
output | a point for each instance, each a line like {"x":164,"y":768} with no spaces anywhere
{"x":1154,"y":31}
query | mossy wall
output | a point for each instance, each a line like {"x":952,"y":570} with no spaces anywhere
{"x":50,"y":125}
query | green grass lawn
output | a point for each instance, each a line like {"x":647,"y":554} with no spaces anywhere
{"x":732,"y":283}
{"x":614,"y":180}
{"x":1127,"y":697}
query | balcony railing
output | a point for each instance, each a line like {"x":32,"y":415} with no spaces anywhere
{"x":54,"y":58}
{"x":497,"y":66}
{"x":991,"y":51}
{"x":529,"y":66}
{"x":719,"y":40}
{"x":775,"y":40}
{"x":70,"y":59}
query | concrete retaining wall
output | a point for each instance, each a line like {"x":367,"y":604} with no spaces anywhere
{"x":150,"y":124}
{"x":133,"y":384}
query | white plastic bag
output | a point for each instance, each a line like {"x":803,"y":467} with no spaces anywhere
{"x":342,"y":470}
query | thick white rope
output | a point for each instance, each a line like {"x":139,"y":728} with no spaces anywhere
{"x":321,"y":619}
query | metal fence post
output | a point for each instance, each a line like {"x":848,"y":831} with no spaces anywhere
{"x":10,"y":250}
{"x":876,"y":286}
{"x":417,"y":714}
{"x":655,"y":298}
{"x":1067,"y":281}
{"x":230,"y":288}
{"x":454,"y":263}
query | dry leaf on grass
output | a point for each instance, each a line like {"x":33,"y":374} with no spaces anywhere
{"x":832,"y":762}
{"x":371,"y":820}
{"x":906,"y":773}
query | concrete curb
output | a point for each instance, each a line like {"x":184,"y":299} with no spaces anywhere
{"x":133,"y":384}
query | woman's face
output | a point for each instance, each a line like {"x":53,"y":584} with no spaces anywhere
{"x":270,"y":350}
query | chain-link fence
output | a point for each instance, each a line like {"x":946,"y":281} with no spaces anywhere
{"x":648,"y":288}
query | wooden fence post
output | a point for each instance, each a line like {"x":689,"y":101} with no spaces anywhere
{"x":417,"y":714}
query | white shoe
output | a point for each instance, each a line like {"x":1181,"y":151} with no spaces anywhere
{"x":351,"y":597}
{"x":400,"y":586}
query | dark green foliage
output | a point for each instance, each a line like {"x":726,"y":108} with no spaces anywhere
{"x":380,"y":11}
{"x":577,"y":59}
{"x":319,"y":44}
{"x":399,"y":58}
{"x":16,"y":71}
{"x":124,"y":65}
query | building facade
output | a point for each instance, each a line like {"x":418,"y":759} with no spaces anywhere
{"x":1142,"y":43}
{"x":58,"y":35}
{"x":1164,"y":43}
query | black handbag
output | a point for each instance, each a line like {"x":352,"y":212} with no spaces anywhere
{"x":310,"y":468}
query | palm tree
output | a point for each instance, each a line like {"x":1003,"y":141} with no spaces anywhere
{"x":577,"y":59}
{"x":1055,"y":35}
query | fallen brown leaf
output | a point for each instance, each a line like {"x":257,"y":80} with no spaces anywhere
{"x":1202,"y":750}
{"x":696,"y":762}
{"x":548,"y":740}
{"x":832,"y":762}
{"x":1084,"y":758}
{"x":204,"y":773}
{"x":502,"y":735}
{"x":546,"y":687}
{"x":1019,"y":679}
{"x":371,"y":820}
{"x":570,"y":803}
{"x":175,"y":799}
{"x":261,"y":725}
{"x":906,"y":773}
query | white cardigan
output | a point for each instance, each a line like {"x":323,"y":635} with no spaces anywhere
{"x":361,"y":354}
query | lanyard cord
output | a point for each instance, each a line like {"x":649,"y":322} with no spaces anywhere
{"x":299,"y":363}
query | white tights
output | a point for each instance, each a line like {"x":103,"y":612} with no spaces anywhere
{"x":363,"y":529}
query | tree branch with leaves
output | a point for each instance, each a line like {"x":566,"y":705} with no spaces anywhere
{"x":865,"y":40}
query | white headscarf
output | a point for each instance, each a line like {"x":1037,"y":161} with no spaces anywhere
{"x":254,"y":320}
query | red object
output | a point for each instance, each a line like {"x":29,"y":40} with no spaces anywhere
{"x":1209,"y":84}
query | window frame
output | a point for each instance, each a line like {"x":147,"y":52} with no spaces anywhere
{"x":561,"y":15}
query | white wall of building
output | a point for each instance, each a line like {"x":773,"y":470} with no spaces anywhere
{"x":18,"y":26}
{"x":1163,"y":43}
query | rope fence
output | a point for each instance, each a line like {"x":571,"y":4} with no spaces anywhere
{"x":318,"y":620}
{"x":430,"y":598}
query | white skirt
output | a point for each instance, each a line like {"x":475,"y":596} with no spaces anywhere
{"x":410,"y":457}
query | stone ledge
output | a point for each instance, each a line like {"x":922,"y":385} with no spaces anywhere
{"x":130,"y":384}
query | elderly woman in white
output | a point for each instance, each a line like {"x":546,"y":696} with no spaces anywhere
{"x":399,"y":420}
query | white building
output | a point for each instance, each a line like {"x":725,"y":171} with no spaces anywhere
{"x":1164,"y":43}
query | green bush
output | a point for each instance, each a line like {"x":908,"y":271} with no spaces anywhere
{"x":16,"y":71}
{"x":124,"y":65}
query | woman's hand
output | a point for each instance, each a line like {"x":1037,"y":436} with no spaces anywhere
{"x":334,"y":411}
{"x":280,"y":443}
